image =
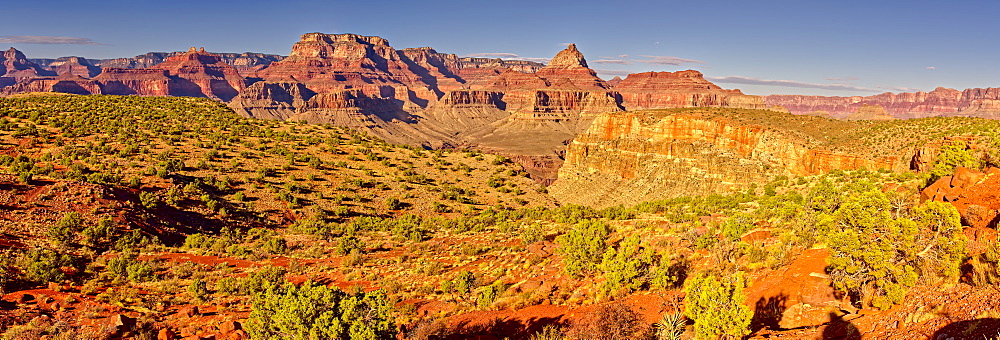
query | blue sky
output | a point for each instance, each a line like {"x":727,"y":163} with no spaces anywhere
{"x":763,"y":47}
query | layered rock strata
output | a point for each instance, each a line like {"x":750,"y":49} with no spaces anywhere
{"x":976,"y":102}
{"x":632,"y":157}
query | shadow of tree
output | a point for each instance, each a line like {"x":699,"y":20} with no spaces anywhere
{"x":502,"y":329}
{"x":840,"y":329}
{"x":767,"y":312}
{"x":988,"y":328}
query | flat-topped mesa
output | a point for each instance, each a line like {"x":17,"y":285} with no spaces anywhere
{"x":15,"y":65}
{"x":64,"y":83}
{"x":141,"y":81}
{"x":333,"y":62}
{"x":74,"y":65}
{"x":202,"y":74}
{"x":940,"y":101}
{"x":658,"y":90}
{"x":870,"y":112}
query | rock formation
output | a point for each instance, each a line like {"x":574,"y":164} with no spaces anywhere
{"x":632,"y":157}
{"x":525,"y":110}
{"x":654,"y":90}
{"x":870,"y":112}
{"x":246,"y":63}
{"x":74,"y":65}
{"x":65,"y":83}
{"x":940,"y":102}
{"x":15,"y":65}
{"x":201,"y":74}
{"x":142,"y":82}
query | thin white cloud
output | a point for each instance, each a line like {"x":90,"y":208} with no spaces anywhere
{"x":667,"y":60}
{"x":845,"y":79}
{"x":612,"y":73}
{"x":650,"y":59}
{"x":931,"y":67}
{"x":504,"y":55}
{"x":607,"y":60}
{"x":492,"y":55}
{"x":38,"y":39}
{"x":787,"y":83}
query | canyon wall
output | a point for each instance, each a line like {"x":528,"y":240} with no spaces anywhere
{"x":977,"y":102}
{"x":632,"y":157}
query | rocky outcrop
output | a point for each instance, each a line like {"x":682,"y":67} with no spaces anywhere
{"x":568,"y":70}
{"x":143,"y":82}
{"x":658,"y":90}
{"x":272,"y":100}
{"x":15,"y":65}
{"x":246,"y":62}
{"x":628,"y":158}
{"x":75,"y":66}
{"x":614,"y":81}
{"x":66,"y":83}
{"x":201,"y":74}
{"x":939,"y":102}
{"x":870,"y":112}
{"x":339,"y":61}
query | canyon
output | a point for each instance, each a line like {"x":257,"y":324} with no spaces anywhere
{"x":975,"y":102}
{"x":532,"y":113}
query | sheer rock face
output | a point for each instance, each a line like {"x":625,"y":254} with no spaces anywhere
{"x":272,"y":100}
{"x":657,"y":90}
{"x":142,"y":82}
{"x":15,"y":65}
{"x":870,"y":112}
{"x":628,"y":158}
{"x":568,"y":70}
{"x":75,"y":66}
{"x":338,"y":61}
{"x":66,"y":83}
{"x":245,"y":63}
{"x":940,"y":102}
{"x":201,"y":74}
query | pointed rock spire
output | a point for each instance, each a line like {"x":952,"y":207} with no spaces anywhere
{"x":568,"y":58}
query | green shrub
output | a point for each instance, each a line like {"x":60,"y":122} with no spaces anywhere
{"x":953,"y":155}
{"x":941,"y":233}
{"x":198,"y":289}
{"x":43,"y":265}
{"x":871,"y":253}
{"x":314,"y":311}
{"x":583,"y":247}
{"x":716,"y":306}
{"x":65,"y":230}
{"x":626,"y":269}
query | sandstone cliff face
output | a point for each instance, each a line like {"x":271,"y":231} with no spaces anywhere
{"x":870,"y":112}
{"x":568,"y":70}
{"x":338,"y":61}
{"x":201,"y":74}
{"x":246,"y":63}
{"x":75,"y":66}
{"x":66,"y":83}
{"x":272,"y":100}
{"x":657,"y":90}
{"x":941,"y":101}
{"x":628,"y":158}
{"x":15,"y":65}
{"x":142,"y":82}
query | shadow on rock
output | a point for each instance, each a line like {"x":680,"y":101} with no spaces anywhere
{"x":840,"y":329}
{"x":970,"y":329}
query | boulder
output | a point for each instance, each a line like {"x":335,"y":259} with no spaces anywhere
{"x":965,"y":177}
{"x":805,"y":315}
{"x":166,"y":334}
